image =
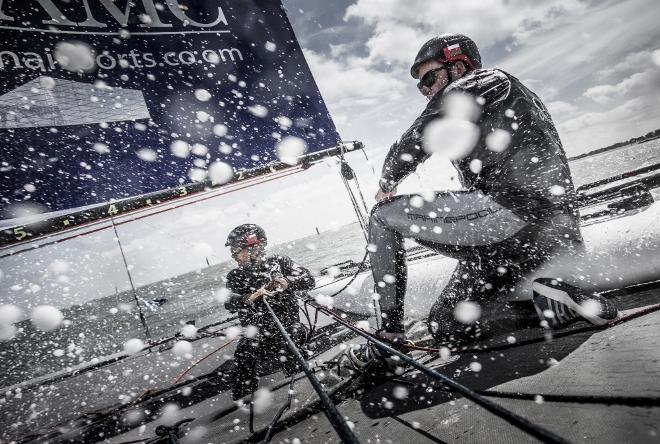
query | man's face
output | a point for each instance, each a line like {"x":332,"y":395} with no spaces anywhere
{"x":240,"y":255}
{"x":245,"y":256}
{"x":441,"y":76}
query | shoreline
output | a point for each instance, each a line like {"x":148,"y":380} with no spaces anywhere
{"x":636,"y":140}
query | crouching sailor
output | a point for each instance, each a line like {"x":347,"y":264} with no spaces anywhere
{"x":277,"y":278}
{"x":517,"y":210}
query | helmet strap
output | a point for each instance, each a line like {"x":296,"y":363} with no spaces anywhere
{"x":449,"y":67}
{"x":450,"y":70}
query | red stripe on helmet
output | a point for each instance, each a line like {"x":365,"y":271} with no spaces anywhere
{"x":453,"y":53}
{"x":252,"y":239}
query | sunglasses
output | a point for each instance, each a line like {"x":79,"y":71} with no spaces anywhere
{"x":429,"y":78}
{"x":235,"y":250}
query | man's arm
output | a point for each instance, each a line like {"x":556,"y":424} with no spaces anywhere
{"x":298,"y":277}
{"x":405,"y":155}
{"x":236,"y":284}
{"x":235,"y":303}
{"x":489,"y":85}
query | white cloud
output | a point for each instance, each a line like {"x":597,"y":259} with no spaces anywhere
{"x":570,"y":52}
{"x":630,"y":64}
{"x":601,"y":93}
{"x":337,"y":51}
{"x":639,"y":84}
{"x":588,"y":43}
{"x":344,"y":80}
{"x":395,"y":43}
{"x":560,"y":110}
{"x":545,"y":90}
{"x":621,"y":113}
{"x":401,"y":27}
{"x":596,"y":129}
{"x":358,"y":94}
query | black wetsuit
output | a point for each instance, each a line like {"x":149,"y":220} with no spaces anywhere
{"x":268,"y":344}
{"x":515,"y":212}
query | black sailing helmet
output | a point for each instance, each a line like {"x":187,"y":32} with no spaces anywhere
{"x":246,"y":235}
{"x":448,"y":48}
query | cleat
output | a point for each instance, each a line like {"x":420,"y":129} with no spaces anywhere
{"x":559,"y":304}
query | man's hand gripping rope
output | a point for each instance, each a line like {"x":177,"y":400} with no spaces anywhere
{"x":277,"y":285}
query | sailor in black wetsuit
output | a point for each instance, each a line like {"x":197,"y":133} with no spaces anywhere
{"x":276,"y":277}
{"x":517,"y":207}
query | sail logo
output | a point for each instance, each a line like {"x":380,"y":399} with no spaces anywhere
{"x":151,"y":14}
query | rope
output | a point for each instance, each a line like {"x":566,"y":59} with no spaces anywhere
{"x":306,"y":313}
{"x":356,"y":207}
{"x":182,"y":374}
{"x":251,"y":404}
{"x":246,"y":399}
{"x":300,"y":414}
{"x":336,"y":419}
{"x":357,"y":272}
{"x":631,"y":401}
{"x":346,"y":168}
{"x":633,"y":315}
{"x":130,"y":280}
{"x":112,"y":360}
{"x":215,"y":324}
{"x":359,"y":189}
{"x":620,"y":320}
{"x":512,"y":418}
{"x":284,"y":408}
{"x":595,"y":399}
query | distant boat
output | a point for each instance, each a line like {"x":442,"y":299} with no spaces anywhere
{"x":154,"y":304}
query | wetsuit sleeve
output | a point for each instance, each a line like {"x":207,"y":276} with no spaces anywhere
{"x":239,"y":289}
{"x":405,"y":155}
{"x":488,"y":85}
{"x":235,"y":303}
{"x":299,"y":278}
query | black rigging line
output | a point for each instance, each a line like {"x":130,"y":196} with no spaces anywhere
{"x":101,"y":364}
{"x":356,"y":206}
{"x":357,"y":185}
{"x":573,"y":331}
{"x":347,"y":174}
{"x":424,"y":433}
{"x":130,"y":279}
{"x":631,"y":401}
{"x":357,"y":272}
{"x":306,"y":313}
{"x":336,"y":419}
{"x":301,"y":414}
{"x":284,"y":408}
{"x":512,"y":418}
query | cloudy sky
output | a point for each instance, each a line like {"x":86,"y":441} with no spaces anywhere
{"x":591,"y":62}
